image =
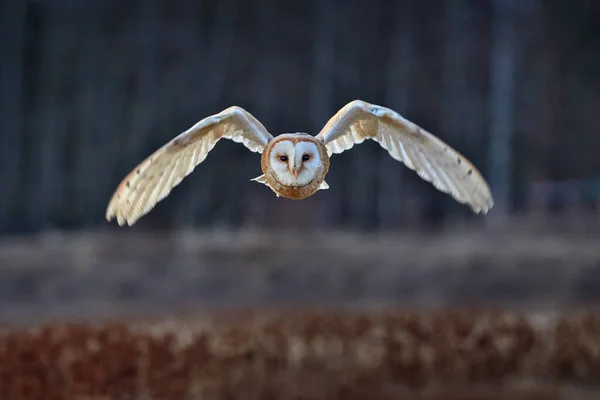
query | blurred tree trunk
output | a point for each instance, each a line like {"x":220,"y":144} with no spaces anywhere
{"x":184,"y":87}
{"x":322,"y":83}
{"x":372,"y":63}
{"x":96,"y":117}
{"x":390,"y":197}
{"x":424,"y":84}
{"x":264,"y":90}
{"x":12,"y":29}
{"x":220,"y":51}
{"x":502,"y":74}
{"x":363,"y":74}
{"x":47,"y":178}
{"x":146,"y":92}
{"x":207,"y":72}
{"x":455,"y":111}
{"x":347,"y":74}
{"x":544,"y":84}
{"x":113,"y":102}
{"x":143,"y":89}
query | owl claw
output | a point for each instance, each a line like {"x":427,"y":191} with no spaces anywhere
{"x":262,"y":179}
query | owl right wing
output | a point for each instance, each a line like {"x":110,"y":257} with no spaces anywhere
{"x":154,"y":178}
{"x":432,"y":159}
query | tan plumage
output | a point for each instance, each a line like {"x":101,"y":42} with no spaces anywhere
{"x":432,"y":159}
{"x":294,"y":165}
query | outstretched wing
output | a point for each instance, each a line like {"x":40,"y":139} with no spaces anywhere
{"x":155,"y":177}
{"x":434,"y":160}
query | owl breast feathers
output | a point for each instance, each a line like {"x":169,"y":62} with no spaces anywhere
{"x":294,"y":165}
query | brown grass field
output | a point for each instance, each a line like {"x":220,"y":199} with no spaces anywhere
{"x":295,"y":316}
{"x":309,"y":354}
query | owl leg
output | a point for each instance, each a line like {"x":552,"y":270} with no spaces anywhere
{"x":262,"y":179}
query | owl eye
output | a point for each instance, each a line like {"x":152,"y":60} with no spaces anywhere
{"x":305,"y":157}
{"x":283,"y":158}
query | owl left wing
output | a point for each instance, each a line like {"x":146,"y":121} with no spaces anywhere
{"x":431,"y":158}
{"x":154,"y":178}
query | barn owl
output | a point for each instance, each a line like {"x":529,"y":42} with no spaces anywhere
{"x":294,"y":165}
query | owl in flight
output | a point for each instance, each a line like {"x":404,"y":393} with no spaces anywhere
{"x":294,"y":165}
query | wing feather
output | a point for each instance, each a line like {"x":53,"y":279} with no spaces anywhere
{"x":432,"y":159}
{"x":154,"y":178}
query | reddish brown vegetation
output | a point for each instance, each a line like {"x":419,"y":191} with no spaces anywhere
{"x":301,"y":354}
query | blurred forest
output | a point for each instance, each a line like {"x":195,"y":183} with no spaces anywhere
{"x":91,"y":88}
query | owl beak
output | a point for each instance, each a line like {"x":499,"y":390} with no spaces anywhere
{"x":296,"y":170}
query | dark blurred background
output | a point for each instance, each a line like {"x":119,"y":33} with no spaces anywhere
{"x":89,"y":89}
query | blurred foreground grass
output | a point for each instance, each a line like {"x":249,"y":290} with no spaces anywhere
{"x":309,"y":354}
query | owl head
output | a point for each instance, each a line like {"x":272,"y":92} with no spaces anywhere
{"x":295,"y":159}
